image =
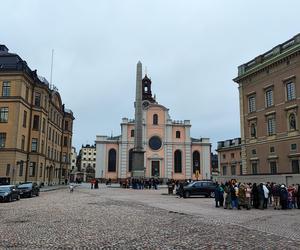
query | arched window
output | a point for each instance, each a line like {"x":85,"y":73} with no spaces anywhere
{"x":130,"y":160}
{"x":177,"y":162}
{"x":132,"y":133}
{"x":112,"y":160}
{"x":292,"y":121}
{"x":196,"y":161}
{"x":155,"y":119}
{"x":177,"y":134}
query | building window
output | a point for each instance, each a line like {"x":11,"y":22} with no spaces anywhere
{"x":6,"y":89}
{"x":34,"y":145}
{"x":253,"y":151}
{"x":290,"y":91}
{"x":42,"y":147}
{"x":241,"y":169}
{"x":32,"y":169}
{"x":295,"y":167}
{"x":41,"y":170}
{"x":37,"y":99}
{"x":269,"y":98}
{"x":132,"y":133}
{"x":272,"y":149}
{"x":224,"y":156}
{"x":21,"y":169}
{"x":233,"y":170}
{"x":177,"y":161}
{"x":155,"y":119}
{"x":232,"y":155}
{"x":66,"y":125}
{"x":8,"y":170}
{"x":251,"y":103}
{"x":24,"y":119}
{"x":271,"y":125}
{"x":224,"y":170}
{"x":23,"y":142}
{"x":292,"y":121}
{"x":254,"y":167}
{"x":3,"y":115}
{"x":112,"y":160}
{"x":196,"y":161}
{"x":130,"y":160}
{"x":36,"y":122}
{"x":44,"y":125}
{"x":27,"y":94}
{"x":65,"y":141}
{"x":177,"y":134}
{"x":2,"y":140}
{"x":293,"y":147}
{"x":273,"y":167}
{"x":253,"y":130}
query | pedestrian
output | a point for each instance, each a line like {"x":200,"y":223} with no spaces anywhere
{"x":242,"y":196}
{"x":276,"y":196}
{"x":283,"y":197}
{"x":221,"y":188}
{"x":96,"y":184}
{"x":217,"y":194}
{"x":180,"y":190}
{"x":266,"y":196}
{"x":227,"y":193}
{"x":255,"y":195}
{"x":298,"y":196}
{"x":92,"y":183}
{"x":248,"y":196}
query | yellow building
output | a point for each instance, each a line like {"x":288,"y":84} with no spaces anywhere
{"x":35,"y":127}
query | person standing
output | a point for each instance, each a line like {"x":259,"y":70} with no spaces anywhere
{"x":227,"y":196}
{"x":217,"y":194}
{"x":283,"y":197}
{"x":298,"y":197}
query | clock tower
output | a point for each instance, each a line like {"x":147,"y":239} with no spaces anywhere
{"x":146,"y":89}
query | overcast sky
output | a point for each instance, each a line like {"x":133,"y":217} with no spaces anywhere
{"x":191,"y":50}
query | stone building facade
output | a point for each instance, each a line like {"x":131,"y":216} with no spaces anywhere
{"x":229,"y":157}
{"x":35,"y":127}
{"x":170,"y":151}
{"x":269,"y":93}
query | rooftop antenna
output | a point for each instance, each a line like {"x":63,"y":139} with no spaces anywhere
{"x":51,"y":66}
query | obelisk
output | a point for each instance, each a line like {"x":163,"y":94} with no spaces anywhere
{"x":138,"y":151}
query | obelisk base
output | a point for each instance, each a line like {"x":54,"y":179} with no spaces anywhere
{"x":138,"y":169}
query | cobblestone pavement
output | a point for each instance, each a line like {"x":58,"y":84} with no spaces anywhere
{"x":111,"y":218}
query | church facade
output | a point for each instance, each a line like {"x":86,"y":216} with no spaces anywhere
{"x":170,"y":151}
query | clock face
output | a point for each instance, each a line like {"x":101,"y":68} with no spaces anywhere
{"x":145,"y":104}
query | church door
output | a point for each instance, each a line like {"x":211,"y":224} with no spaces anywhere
{"x":155,"y":168}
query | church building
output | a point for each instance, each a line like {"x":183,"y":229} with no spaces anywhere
{"x":169,"y":150}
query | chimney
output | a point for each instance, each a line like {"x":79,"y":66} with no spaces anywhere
{"x":3,"y":48}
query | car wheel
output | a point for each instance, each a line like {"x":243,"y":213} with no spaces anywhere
{"x":212,"y":195}
{"x":187,"y":194}
{"x":10,"y":199}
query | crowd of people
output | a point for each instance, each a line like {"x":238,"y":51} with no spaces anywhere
{"x":141,"y":183}
{"x":232,"y":195}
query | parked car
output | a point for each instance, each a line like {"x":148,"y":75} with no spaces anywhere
{"x":206,"y":188}
{"x":29,"y":189}
{"x":9,"y":193}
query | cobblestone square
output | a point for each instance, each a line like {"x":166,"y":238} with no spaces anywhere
{"x":114,"y":218}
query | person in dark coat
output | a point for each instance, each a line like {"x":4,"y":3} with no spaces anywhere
{"x":283,"y":197}
{"x":255,"y":196}
{"x":180,"y":190}
{"x":298,"y":196}
{"x":261,"y":196}
{"x":96,"y":184}
{"x":217,"y":195}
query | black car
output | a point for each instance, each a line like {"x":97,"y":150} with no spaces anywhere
{"x":9,"y":193}
{"x":29,"y":189}
{"x":206,"y":188}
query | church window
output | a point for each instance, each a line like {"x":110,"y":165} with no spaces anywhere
{"x":130,"y":160}
{"x":155,"y":119}
{"x":196,"y":161}
{"x":177,"y":162}
{"x":155,"y":143}
{"x":177,"y":134}
{"x":112,"y":160}
{"x":132,"y":133}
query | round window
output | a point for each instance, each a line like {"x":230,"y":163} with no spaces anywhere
{"x":155,"y":143}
